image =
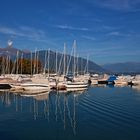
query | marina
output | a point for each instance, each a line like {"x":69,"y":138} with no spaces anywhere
{"x":69,"y":70}
{"x":67,"y":104}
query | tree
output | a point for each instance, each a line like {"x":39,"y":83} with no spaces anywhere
{"x":26,"y":66}
{"x":6,"y":65}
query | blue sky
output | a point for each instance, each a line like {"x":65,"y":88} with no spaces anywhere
{"x":106,"y":30}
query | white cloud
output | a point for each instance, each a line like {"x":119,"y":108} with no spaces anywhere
{"x":89,"y":37}
{"x":71,"y":28}
{"x":23,"y":31}
{"x":105,"y":28}
{"x":124,"y":5}
{"x":10,"y":31}
{"x":27,"y":33}
{"x":116,"y":33}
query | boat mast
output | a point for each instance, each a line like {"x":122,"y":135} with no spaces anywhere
{"x":48,"y":62}
{"x":60,"y":63}
{"x":37,"y":65}
{"x":3,"y":65}
{"x":45,"y":62}
{"x":21,"y":61}
{"x":34,"y":63}
{"x":9,"y":65}
{"x":31,"y":63}
{"x":81,"y":65}
{"x":77,"y":64}
{"x":74,"y":46}
{"x":64,"y":59}
{"x":17,"y":62}
{"x":87,"y":63}
{"x":56,"y":62}
{"x":6,"y":67}
{"x":86,"y":67}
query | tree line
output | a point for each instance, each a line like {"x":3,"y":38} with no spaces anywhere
{"x":20,"y":66}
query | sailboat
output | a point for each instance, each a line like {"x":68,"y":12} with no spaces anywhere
{"x":77,"y":85}
{"x":74,"y":84}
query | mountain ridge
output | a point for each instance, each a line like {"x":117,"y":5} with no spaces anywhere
{"x":81,"y":62}
{"x":123,"y":67}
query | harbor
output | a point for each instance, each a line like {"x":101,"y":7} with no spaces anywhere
{"x":50,"y":98}
{"x":44,"y":70}
{"x":69,"y":70}
{"x":40,"y":83}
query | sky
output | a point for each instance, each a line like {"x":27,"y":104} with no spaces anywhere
{"x":107,"y":31}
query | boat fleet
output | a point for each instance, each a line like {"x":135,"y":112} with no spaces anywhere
{"x":40,"y":83}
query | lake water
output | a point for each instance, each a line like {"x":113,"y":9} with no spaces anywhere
{"x":100,"y":113}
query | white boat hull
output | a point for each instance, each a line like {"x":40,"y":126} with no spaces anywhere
{"x":76,"y":85}
{"x":136,"y":82}
{"x":30,"y":88}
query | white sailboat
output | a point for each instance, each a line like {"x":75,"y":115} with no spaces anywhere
{"x":75,"y":85}
{"x":30,"y":88}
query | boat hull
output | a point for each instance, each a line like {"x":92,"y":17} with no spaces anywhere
{"x":4,"y":86}
{"x":76,"y":85}
{"x":30,"y":88}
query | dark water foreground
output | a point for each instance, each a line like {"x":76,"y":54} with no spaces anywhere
{"x":101,"y":113}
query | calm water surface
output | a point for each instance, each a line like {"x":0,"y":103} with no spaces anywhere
{"x":101,"y":113}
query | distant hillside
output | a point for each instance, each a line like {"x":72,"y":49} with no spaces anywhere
{"x":127,"y":67}
{"x":80,"y":62}
{"x":10,"y":51}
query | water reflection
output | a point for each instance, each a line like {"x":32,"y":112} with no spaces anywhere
{"x":65,"y":108}
{"x":137,"y":88}
{"x":58,"y":105}
{"x":99,"y":113}
{"x":35,"y":100}
{"x":5,"y":98}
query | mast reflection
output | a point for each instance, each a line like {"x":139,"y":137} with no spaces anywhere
{"x":55,"y":106}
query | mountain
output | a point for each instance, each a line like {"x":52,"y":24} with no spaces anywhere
{"x":126,"y":67}
{"x":80,"y":62}
{"x":10,"y":51}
